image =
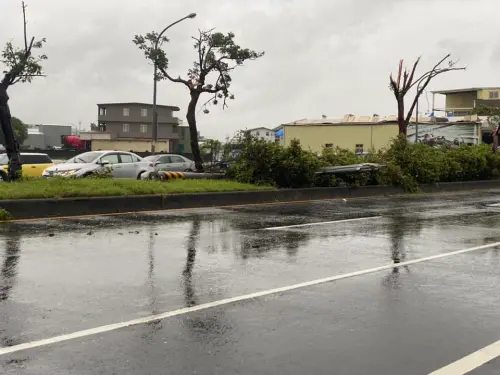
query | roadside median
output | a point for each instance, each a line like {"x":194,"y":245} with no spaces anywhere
{"x":27,"y":200}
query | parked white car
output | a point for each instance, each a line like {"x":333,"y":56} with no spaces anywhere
{"x":121,"y":164}
{"x":171,"y":163}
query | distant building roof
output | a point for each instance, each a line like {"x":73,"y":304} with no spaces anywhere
{"x":263,"y":128}
{"x":33,"y":131}
{"x":172,"y":107}
{"x":377,"y":120}
{"x":38,"y":125}
{"x":470,"y":89}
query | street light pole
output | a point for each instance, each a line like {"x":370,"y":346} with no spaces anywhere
{"x":155,"y":82}
{"x":416,"y":116}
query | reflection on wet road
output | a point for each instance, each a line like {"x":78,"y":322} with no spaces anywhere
{"x":64,"y":276}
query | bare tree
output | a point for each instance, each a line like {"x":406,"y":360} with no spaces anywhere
{"x":21,"y":66}
{"x":406,"y":80}
{"x":218,"y":56}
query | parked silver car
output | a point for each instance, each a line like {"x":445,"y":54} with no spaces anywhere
{"x":121,"y":164}
{"x":171,"y":163}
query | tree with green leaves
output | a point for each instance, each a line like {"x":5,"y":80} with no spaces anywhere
{"x":21,"y":66}
{"x":492,"y":115}
{"x":212,"y":147}
{"x":217,"y":56}
{"x":20,"y":130}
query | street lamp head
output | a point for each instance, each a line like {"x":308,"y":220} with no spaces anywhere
{"x":192,"y":15}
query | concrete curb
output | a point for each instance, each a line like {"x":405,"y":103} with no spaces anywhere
{"x":46,"y":208}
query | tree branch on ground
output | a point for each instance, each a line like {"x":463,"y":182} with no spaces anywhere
{"x":217,"y":54}
{"x":401,"y":89}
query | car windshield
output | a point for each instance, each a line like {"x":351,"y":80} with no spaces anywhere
{"x":4,"y":159}
{"x":87,"y":157}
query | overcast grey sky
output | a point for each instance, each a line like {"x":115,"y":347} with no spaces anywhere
{"x":322,"y":56}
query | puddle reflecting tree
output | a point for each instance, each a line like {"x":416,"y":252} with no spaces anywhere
{"x":9,"y":270}
{"x":401,"y":226}
{"x":187,"y":273}
{"x":213,"y":325}
{"x":8,"y":277}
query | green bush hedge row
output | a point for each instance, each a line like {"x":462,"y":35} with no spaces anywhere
{"x":408,"y":164}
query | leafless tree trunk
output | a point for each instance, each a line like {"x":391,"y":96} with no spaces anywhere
{"x":406,"y":80}
{"x":193,"y":130}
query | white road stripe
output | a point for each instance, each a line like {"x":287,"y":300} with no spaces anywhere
{"x":226,"y":301}
{"x":323,"y":223}
{"x":494,"y":205}
{"x":471,"y":362}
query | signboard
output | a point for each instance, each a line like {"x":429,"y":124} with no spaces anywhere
{"x":446,"y":133}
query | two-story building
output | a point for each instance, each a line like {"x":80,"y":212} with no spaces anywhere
{"x":263,"y":133}
{"x":129,"y":127}
{"x":462,"y":102}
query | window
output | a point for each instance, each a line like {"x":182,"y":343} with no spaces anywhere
{"x":35,"y":159}
{"x":87,"y":157}
{"x":257,"y":133}
{"x":126,"y":128}
{"x":102,"y":111}
{"x":144,"y":112}
{"x":164,"y":160}
{"x":176,"y":159}
{"x":110,"y":158}
{"x":328,"y":145}
{"x":126,"y":112}
{"x":493,"y":94}
{"x":126,"y":158}
{"x":267,"y":133}
{"x":144,"y":128}
{"x":359,"y":148}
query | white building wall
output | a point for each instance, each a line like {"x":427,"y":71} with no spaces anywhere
{"x":266,"y":134}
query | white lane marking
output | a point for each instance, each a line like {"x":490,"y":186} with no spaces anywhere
{"x":471,"y":362}
{"x":494,"y":205}
{"x":186,"y":310}
{"x":323,"y":223}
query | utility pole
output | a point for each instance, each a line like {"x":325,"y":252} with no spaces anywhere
{"x":155,"y":83}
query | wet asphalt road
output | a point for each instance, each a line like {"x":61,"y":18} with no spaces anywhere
{"x":68,"y":275}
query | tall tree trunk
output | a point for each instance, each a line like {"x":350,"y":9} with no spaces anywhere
{"x":401,"y":116}
{"x":9,"y":138}
{"x":193,"y":131}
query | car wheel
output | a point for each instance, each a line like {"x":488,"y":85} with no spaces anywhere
{"x":3,"y":176}
{"x":154,"y":176}
{"x":188,"y":170}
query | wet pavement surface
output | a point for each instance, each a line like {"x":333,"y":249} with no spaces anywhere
{"x":63,"y":276}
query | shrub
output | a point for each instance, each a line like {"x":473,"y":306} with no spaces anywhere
{"x":5,"y":215}
{"x":408,"y":165}
{"x":297,"y":167}
{"x":262,"y":162}
{"x":339,"y":156}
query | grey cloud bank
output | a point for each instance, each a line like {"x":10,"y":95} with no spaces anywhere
{"x":322,"y":57}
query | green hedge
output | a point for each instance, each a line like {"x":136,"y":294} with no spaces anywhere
{"x":408,"y":164}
